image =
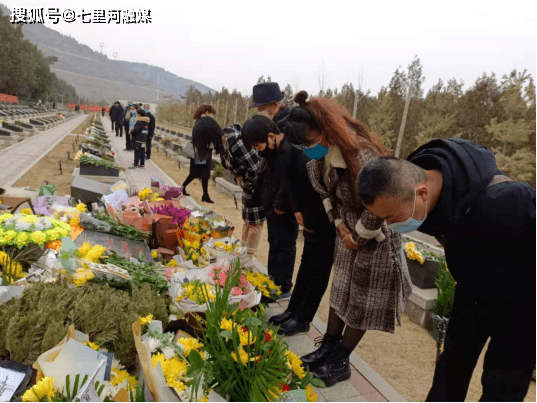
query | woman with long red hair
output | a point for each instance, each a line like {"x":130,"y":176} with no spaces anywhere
{"x":371,"y":282}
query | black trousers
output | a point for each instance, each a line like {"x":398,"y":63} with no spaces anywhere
{"x":119,"y":129}
{"x":148,"y":146}
{"x":510,"y":357}
{"x":282,"y":234}
{"x":313,"y":274}
{"x":113,"y":121}
{"x":128,"y":143}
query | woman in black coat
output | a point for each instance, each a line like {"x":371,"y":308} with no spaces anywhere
{"x":206,"y":136}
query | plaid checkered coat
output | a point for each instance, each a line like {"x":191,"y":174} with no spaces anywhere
{"x":243,"y":161}
{"x":371,"y":285}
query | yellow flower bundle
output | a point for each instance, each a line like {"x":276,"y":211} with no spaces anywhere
{"x":412,"y":253}
{"x":262,"y":284}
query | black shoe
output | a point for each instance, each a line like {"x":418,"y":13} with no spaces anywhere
{"x":284,"y":295}
{"x":281,"y":318}
{"x":184,"y":192}
{"x":325,"y":346}
{"x":205,"y":198}
{"x":336,"y":368}
{"x":294,"y":326}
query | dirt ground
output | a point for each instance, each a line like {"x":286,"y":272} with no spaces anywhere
{"x":48,"y":168}
{"x":405,"y":359}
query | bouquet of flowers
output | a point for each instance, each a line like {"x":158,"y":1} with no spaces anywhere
{"x":226,"y":248}
{"x":179,"y":215}
{"x":263,"y":284}
{"x":167,"y":363}
{"x":22,"y":238}
{"x":149,"y":195}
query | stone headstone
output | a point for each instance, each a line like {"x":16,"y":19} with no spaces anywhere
{"x":123,"y":247}
{"x":87,"y":190}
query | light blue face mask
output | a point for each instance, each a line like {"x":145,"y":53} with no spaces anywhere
{"x":146,"y":109}
{"x":411,"y":224}
{"x":314,"y":152}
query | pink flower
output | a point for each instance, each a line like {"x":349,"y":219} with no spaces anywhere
{"x":236,"y":291}
{"x":222,"y":277}
{"x":170,"y":271}
{"x":211,"y":274}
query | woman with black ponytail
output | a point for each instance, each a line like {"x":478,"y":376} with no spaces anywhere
{"x":206,"y":136}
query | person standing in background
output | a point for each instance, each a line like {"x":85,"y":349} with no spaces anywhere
{"x":151,"y":132}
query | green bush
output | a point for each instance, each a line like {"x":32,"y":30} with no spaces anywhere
{"x":39,"y":320}
{"x":218,"y":171}
{"x":445,"y":283}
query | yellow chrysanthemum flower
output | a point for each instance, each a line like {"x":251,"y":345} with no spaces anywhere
{"x":74,"y":222}
{"x":84,"y":249}
{"x":118,"y":376}
{"x":5,"y":216}
{"x":91,"y":345}
{"x":10,"y":236}
{"x":154,"y":253}
{"x":226,"y":324}
{"x":311,"y":396}
{"x":409,"y":245}
{"x":22,"y":239}
{"x":189,"y":344}
{"x":81,"y":207}
{"x":82,"y":276}
{"x":146,"y":320}
{"x":41,"y":391}
{"x":294,"y":363}
{"x":29,"y":219}
{"x":26,"y":211}
{"x":172,"y":263}
{"x":243,"y":356}
{"x":38,"y":237}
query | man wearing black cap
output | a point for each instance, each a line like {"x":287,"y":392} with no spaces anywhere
{"x":276,"y":166}
{"x":267,"y":98}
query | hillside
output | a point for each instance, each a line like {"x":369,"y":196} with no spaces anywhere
{"x":97,"y":77}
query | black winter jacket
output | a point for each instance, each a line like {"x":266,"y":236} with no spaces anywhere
{"x":488,"y":232}
{"x":277,"y":179}
{"x":140,"y":129}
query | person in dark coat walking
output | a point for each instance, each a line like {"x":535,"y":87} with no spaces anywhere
{"x":103,"y":110}
{"x":151,"y":132}
{"x":117,"y":116}
{"x":139,"y":138}
{"x":206,"y":136}
{"x":319,"y":243}
{"x":453,"y":190}
{"x":264,"y":135}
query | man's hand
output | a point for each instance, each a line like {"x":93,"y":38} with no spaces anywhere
{"x":239,"y":181}
{"x":347,"y":240}
{"x":279,"y":211}
{"x":299,"y":218}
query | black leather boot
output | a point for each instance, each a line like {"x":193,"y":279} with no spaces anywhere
{"x":336,"y":368}
{"x":281,"y":318}
{"x":326,"y":346}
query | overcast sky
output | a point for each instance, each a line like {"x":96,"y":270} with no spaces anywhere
{"x":232,"y":43}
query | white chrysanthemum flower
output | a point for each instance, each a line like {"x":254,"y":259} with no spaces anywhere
{"x":153,"y":344}
{"x":63,"y":219}
{"x":168,"y":352}
{"x":46,"y":222}
{"x":22,"y":226}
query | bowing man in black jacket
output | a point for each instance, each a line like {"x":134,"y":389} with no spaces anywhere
{"x":263,"y":134}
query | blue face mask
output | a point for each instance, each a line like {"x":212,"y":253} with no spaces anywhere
{"x":411,"y":224}
{"x":129,"y":104}
{"x":315,"y":152}
{"x":147,"y":110}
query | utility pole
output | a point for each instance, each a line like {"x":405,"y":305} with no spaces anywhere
{"x":355,"y":107}
{"x":158,"y":87}
{"x":235,"y":116}
{"x":403,"y":123}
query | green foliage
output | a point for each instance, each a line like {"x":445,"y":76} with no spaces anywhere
{"x":120,"y":229}
{"x":141,"y":273}
{"x":445,"y":283}
{"x":218,"y":171}
{"x":99,"y":162}
{"x":39,"y":320}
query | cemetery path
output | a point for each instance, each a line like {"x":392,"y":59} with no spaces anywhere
{"x":136,"y":178}
{"x":17,"y":159}
{"x":365,"y":383}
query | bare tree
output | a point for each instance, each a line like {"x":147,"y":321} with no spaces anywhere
{"x":358,"y":91}
{"x":296,"y":83}
{"x":321,"y":79}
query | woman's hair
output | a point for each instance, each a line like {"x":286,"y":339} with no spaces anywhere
{"x":294,"y":131}
{"x":338,"y":126}
{"x":202,"y":110}
{"x":141,"y":112}
{"x":205,"y":132}
{"x":257,"y":129}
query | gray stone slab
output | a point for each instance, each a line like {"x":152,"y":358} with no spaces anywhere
{"x":342,"y":390}
{"x":300,"y":344}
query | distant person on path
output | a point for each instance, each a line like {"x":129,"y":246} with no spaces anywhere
{"x":206,"y":136}
{"x":244,"y":162}
{"x":54,"y":105}
{"x":151,"y":133}
{"x":77,"y":108}
{"x":263,"y":134}
{"x":139,"y":138}
{"x":453,"y":190}
{"x":130,"y":113}
{"x":103,"y":110}
{"x":117,"y":116}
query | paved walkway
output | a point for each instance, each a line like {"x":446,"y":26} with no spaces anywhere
{"x":365,"y":384}
{"x":17,"y":159}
